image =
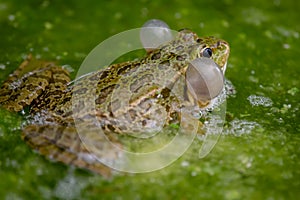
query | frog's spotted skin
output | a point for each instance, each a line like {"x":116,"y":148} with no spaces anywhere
{"x":146,"y":83}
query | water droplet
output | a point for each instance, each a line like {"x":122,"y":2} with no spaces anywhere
{"x":48,"y":25}
{"x":11,"y":17}
{"x":69,"y":187}
{"x":254,"y":16}
{"x":46,"y":49}
{"x":285,"y":108}
{"x":2,"y":66}
{"x":286,"y":46}
{"x":177,"y":15}
{"x":185,"y":163}
{"x":144,"y":12}
{"x":293,"y":91}
{"x":118,"y":15}
{"x":68,"y":68}
{"x":38,"y":56}
{"x":194,"y":173}
{"x":201,"y":25}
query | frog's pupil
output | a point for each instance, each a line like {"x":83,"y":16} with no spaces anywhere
{"x":207,"y":52}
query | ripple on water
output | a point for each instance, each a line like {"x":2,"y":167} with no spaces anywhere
{"x":256,"y":100}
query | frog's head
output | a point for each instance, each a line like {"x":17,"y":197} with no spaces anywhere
{"x":216,"y":49}
{"x":209,"y":47}
{"x":208,"y":59}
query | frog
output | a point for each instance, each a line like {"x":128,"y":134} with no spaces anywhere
{"x":55,"y":105}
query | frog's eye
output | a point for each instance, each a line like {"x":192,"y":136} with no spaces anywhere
{"x":207,"y":52}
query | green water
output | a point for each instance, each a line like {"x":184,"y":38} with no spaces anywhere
{"x":259,"y":156}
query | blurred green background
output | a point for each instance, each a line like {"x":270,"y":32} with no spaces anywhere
{"x":256,"y":158}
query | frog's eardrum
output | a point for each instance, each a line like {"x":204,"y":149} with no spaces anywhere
{"x":204,"y":79}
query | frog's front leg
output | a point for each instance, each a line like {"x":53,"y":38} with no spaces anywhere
{"x":24,"y":86}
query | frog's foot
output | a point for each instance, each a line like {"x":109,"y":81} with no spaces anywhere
{"x":63,"y":144}
{"x":23,"y":86}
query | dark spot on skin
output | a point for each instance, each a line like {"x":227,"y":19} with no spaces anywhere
{"x":125,"y":68}
{"x":104,"y":93}
{"x":41,"y":129}
{"x":30,"y":87}
{"x":167,"y":108}
{"x":107,"y":90}
{"x":132,"y":114}
{"x":135,"y":86}
{"x":174,"y":117}
{"x":142,"y":81}
{"x":99,"y":100}
{"x":104,"y":74}
{"x":165,"y":92}
{"x":146,"y":78}
{"x":48,"y":101}
{"x":181,"y":58}
{"x":68,"y":114}
{"x":66,"y":99}
{"x":58,"y":86}
{"x":81,"y":91}
{"x":164,"y":47}
{"x":180,"y":47}
{"x":145,"y":104}
{"x":155,"y":56}
{"x":88,"y":116}
{"x":199,"y":40}
{"x":114,"y":106}
{"x":171,"y":55}
{"x":164,"y":64}
{"x":144,"y":122}
{"x":110,"y":127}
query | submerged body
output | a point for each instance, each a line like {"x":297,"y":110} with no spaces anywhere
{"x":130,"y":97}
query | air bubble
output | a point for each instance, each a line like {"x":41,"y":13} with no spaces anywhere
{"x":155,"y":33}
{"x":2,"y":66}
{"x":256,"y":100}
{"x":239,"y":127}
